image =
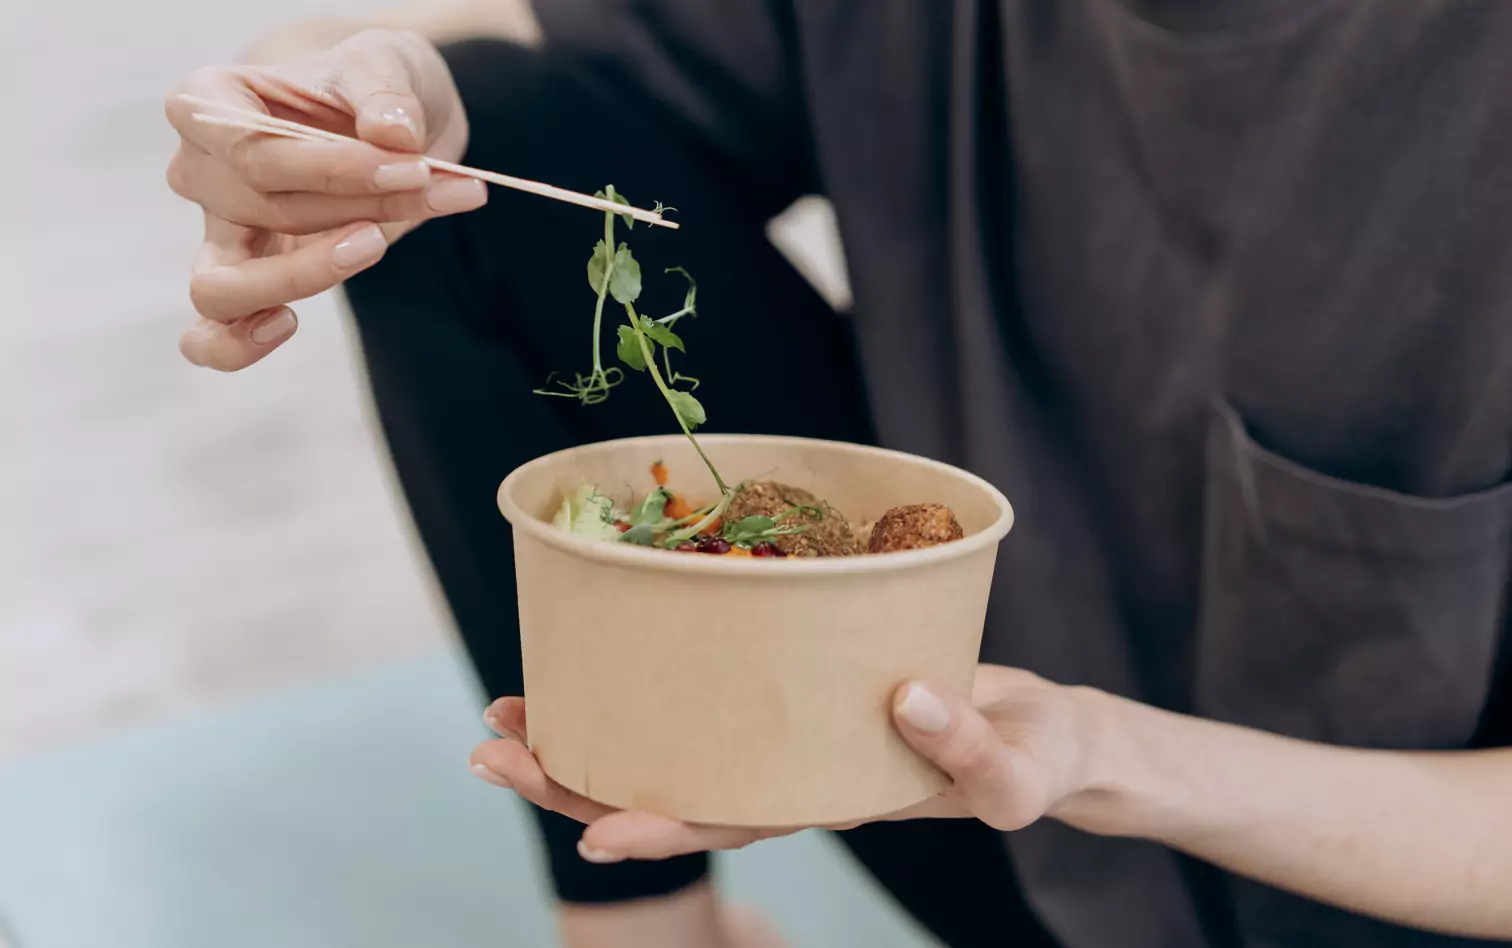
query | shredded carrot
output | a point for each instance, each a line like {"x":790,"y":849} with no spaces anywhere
{"x":676,"y":508}
{"x":659,"y":474}
{"x":738,"y":551}
{"x":713,"y":527}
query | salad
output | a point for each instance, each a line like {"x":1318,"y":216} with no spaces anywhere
{"x":762,"y":518}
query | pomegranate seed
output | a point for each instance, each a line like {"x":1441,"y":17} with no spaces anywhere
{"x":621,"y":526}
{"x":686,"y":546}
{"x":767,"y":548}
{"x":714,"y":545}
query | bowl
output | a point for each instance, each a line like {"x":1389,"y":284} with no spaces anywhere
{"x":738,"y":690}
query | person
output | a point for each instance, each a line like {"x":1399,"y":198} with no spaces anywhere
{"x":1215,"y":290}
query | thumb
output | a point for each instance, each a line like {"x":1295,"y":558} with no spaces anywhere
{"x":997,"y":783}
{"x":379,"y":86}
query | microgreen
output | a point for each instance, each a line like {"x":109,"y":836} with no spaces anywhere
{"x":649,"y":511}
{"x":749,"y":531}
{"x":641,"y":534}
{"x":705,"y":517}
{"x":613,"y":272}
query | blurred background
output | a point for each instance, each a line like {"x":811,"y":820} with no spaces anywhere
{"x":231,"y":712}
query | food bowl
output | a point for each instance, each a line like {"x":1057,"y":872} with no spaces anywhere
{"x":743,"y":691}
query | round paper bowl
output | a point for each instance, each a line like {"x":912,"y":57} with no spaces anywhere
{"x":743,"y":691}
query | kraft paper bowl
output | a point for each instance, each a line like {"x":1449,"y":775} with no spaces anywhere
{"x":743,"y":691}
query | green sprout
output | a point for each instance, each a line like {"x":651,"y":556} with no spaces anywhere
{"x":613,"y":272}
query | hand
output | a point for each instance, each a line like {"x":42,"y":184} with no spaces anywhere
{"x":287,"y":219}
{"x":1418,"y":838}
{"x":1016,"y":752}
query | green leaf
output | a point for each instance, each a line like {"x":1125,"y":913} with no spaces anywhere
{"x":749,"y":528}
{"x":625,"y":282}
{"x":687,"y":408}
{"x":597,"y":264}
{"x":649,"y":511}
{"x":629,"y":349}
{"x":749,"y":531}
{"x":640,"y":534}
{"x":663,"y":335}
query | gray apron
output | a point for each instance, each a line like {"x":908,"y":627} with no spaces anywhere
{"x":1229,"y":317}
{"x":1220,"y":293}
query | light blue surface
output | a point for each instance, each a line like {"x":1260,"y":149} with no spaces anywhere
{"x":336,"y":815}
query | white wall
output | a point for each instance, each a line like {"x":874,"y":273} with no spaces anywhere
{"x":167,"y":535}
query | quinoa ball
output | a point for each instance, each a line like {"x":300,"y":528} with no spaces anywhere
{"x":826,"y":536}
{"x":914,"y":527}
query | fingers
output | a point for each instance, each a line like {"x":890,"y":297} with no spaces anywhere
{"x":364,"y":86}
{"x":994,"y":683}
{"x":222,"y":84}
{"x":632,"y":835}
{"x":381,"y":90}
{"x":939,"y":807}
{"x":234,"y":346}
{"x":613,"y":835}
{"x":325,"y":202}
{"x":226,"y":292}
{"x":240,"y":288}
{"x":509,"y":764}
{"x":270,"y":164}
{"x":999,"y":784}
{"x":506,"y":717}
{"x":302,"y":213}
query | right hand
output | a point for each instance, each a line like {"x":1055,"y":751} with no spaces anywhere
{"x":287,"y":219}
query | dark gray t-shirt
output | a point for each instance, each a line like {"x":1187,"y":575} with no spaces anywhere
{"x":1219,"y":293}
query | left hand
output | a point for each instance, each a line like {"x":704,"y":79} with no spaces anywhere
{"x":1016,"y":752}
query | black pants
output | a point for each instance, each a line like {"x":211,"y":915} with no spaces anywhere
{"x":467,"y":315}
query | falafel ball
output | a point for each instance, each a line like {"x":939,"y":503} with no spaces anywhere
{"x":914,"y":527}
{"x":826,"y":536}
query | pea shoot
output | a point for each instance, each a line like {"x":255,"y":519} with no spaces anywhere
{"x":645,"y":344}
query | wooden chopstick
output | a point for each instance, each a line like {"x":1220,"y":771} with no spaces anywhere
{"x":249,"y":126}
{"x":251,"y":121}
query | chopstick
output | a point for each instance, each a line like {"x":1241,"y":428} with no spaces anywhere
{"x":251,"y":121}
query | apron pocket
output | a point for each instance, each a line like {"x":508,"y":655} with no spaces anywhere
{"x":1340,"y":612}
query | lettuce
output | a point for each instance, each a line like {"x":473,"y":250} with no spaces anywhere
{"x":587,"y":512}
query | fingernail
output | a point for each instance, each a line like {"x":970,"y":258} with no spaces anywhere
{"x":455,"y":195}
{"x":493,"y":722}
{"x":401,"y":176}
{"x":598,"y":856}
{"x":398,"y":115}
{"x":273,"y":327}
{"x":363,"y":247}
{"x":923,"y":710}
{"x":493,"y":778}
